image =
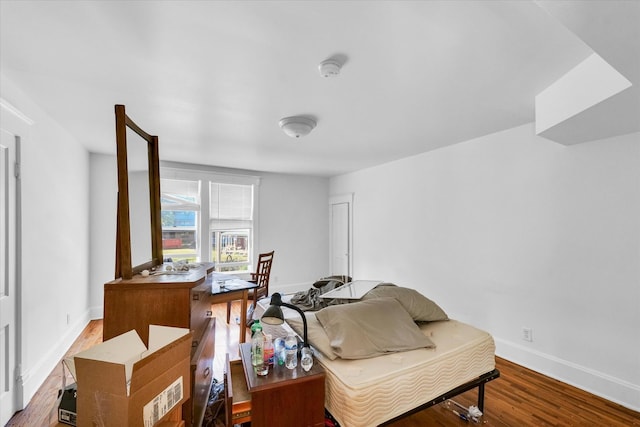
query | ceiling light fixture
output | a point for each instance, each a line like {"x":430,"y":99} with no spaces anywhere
{"x":329,"y":68}
{"x":297,"y":126}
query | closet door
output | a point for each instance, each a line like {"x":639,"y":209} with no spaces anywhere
{"x":340,"y":240}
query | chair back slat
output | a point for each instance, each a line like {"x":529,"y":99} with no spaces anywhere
{"x":261,"y":278}
{"x":263,"y":270}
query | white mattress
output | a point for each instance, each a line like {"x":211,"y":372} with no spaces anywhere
{"x":368,"y":392}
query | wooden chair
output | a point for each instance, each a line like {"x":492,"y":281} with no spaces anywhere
{"x":261,"y":277}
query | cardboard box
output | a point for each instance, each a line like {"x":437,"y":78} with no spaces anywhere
{"x":122,"y":383}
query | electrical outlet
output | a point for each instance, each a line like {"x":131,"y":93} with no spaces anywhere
{"x":68,"y":318}
{"x":527,"y":334}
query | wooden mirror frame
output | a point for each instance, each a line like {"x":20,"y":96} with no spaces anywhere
{"x":124,"y":269}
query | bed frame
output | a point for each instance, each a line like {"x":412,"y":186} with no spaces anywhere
{"x":478,"y":382}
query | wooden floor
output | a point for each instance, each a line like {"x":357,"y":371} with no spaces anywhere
{"x":520,"y":397}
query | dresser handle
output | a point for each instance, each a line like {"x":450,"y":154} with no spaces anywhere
{"x":209,"y":313}
{"x":196,"y":297}
{"x":207,"y":372}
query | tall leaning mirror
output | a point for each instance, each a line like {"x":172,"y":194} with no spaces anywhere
{"x":139,"y":231}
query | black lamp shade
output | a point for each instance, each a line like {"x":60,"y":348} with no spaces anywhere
{"x":273,"y":315}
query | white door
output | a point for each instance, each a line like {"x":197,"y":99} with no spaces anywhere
{"x":8,"y":342}
{"x":340,"y":224}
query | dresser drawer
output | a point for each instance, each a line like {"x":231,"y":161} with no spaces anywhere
{"x":200,"y":311}
{"x":201,"y":374}
{"x":237,"y":398}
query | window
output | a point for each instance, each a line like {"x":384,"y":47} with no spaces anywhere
{"x":209,"y":216}
{"x":180,"y":202}
{"x":231,"y":219}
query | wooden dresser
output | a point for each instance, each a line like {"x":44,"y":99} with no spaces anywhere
{"x":180,"y":300}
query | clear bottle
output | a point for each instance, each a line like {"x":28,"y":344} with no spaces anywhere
{"x":291,"y":351}
{"x":268,"y":350}
{"x":279,"y":351}
{"x":257,"y":346}
{"x":306,"y":358}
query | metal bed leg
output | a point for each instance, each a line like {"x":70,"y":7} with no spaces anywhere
{"x":481,"y":397}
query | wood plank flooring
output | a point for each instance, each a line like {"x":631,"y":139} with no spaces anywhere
{"x":39,"y":410}
{"x":520,"y":397}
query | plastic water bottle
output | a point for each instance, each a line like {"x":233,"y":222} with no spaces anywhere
{"x":257,"y":347}
{"x":306,"y":359}
{"x":279,"y":355}
{"x":291,"y":351}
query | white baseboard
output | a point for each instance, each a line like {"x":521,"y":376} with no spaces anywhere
{"x":592,"y":381}
{"x":96,"y":313}
{"x":34,"y":377}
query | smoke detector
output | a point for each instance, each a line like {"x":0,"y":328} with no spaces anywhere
{"x":329,"y":68}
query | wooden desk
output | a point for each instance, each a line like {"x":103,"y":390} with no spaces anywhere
{"x":285,"y":397}
{"x":225,"y":288}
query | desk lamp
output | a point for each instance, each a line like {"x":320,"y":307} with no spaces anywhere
{"x":273,"y":315}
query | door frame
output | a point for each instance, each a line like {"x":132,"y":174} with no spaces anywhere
{"x":16,"y":123}
{"x":335,"y":200}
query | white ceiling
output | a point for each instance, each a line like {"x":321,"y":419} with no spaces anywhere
{"x":213,"y":78}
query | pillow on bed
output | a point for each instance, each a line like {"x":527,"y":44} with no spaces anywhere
{"x":370,"y":328}
{"x":315,"y":334}
{"x":421,"y":308}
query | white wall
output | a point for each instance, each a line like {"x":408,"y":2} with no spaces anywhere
{"x":509,"y":231}
{"x":55,"y":240}
{"x":293,"y":221}
{"x":102,"y":254}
